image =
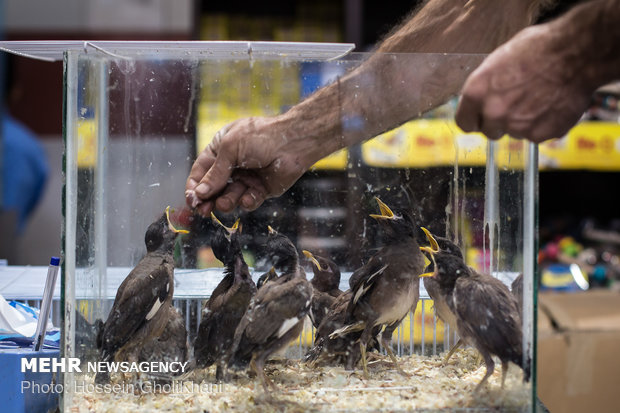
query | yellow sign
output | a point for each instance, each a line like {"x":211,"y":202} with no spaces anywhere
{"x":87,"y":143}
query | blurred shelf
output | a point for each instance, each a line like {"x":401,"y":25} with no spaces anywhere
{"x":426,"y":143}
{"x":435,"y":142}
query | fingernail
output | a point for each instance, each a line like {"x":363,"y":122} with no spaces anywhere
{"x":192,"y":183}
{"x":224,"y":204}
{"x":247,"y":202}
{"x":202,"y":189}
{"x":205,"y":208}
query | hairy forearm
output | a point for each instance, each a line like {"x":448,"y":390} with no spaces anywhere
{"x":588,"y":36}
{"x":391,"y":88}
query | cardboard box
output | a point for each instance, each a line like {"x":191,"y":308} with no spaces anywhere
{"x":579,"y":351}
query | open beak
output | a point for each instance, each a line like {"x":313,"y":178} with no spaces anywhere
{"x":271,"y":230}
{"x":230,"y":230}
{"x":386,"y":212}
{"x":172,"y":228}
{"x":311,"y":257}
{"x":431,"y":240}
{"x":431,"y":252}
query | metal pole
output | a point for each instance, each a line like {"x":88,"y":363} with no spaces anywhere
{"x":491,"y":207}
{"x":530,"y":248}
{"x":70,"y":220}
{"x":101,"y":169}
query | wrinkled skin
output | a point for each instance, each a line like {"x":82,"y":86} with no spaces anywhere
{"x":244,"y":165}
{"x":538,"y":84}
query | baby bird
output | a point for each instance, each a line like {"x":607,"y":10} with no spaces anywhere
{"x":276,"y":314}
{"x":324,"y":286}
{"x":387,"y":286}
{"x":338,"y":349}
{"x":517,"y":290}
{"x":487,"y":315}
{"x":171,"y":345}
{"x":141,"y":308}
{"x":266,"y":277}
{"x":433,"y":289}
{"x":228,"y":303}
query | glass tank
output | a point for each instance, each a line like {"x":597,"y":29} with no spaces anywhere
{"x":135,"y":117}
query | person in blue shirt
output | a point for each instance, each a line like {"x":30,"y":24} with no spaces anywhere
{"x":24,"y":170}
{"x":23,"y":167}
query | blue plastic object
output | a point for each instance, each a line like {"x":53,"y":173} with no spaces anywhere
{"x":28,"y":391}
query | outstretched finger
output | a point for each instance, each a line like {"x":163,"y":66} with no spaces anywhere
{"x":201,"y":165}
{"x":212,"y":168}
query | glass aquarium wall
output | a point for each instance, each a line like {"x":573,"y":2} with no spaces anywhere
{"x":136,"y":116}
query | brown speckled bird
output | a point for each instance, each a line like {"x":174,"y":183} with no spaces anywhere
{"x":433,"y":289}
{"x":486,"y":312}
{"x":266,"y":277}
{"x":141,"y":308}
{"x":388,"y":285}
{"x":228,"y":303}
{"x":337,"y":350}
{"x":276,"y":314}
{"x":171,"y":345}
{"x":324,"y":286}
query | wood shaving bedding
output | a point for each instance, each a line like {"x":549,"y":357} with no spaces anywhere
{"x":432,"y":386}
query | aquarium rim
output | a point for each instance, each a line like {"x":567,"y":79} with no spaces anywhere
{"x":54,"y":50}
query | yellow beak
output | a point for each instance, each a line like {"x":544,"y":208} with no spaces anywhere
{"x":426,"y":261}
{"x":172,"y":228}
{"x":230,"y":230}
{"x":431,"y":240}
{"x":386,"y":212}
{"x":311,"y":257}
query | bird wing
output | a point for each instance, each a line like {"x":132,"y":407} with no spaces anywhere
{"x":321,"y":303}
{"x":488,"y":312}
{"x":277,"y":310}
{"x":221,"y":289}
{"x":175,"y":327}
{"x":364,"y":277}
{"x":138,"y":299}
{"x":440,"y":305}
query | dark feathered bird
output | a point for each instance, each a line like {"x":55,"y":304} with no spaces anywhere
{"x":276,"y":314}
{"x":266,"y":277}
{"x":171,"y":345}
{"x":333,"y":350}
{"x":388,"y":285}
{"x":140,"y":310}
{"x":228,"y":302}
{"x":486,"y":312}
{"x":433,"y":289}
{"x":344,"y":349}
{"x":324,"y":285}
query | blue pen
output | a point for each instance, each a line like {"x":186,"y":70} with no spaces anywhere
{"x":48,"y":293}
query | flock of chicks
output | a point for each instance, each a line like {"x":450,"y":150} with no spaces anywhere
{"x":243,"y":324}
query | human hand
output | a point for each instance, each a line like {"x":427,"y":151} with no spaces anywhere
{"x":247,"y":161}
{"x":532,"y":87}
